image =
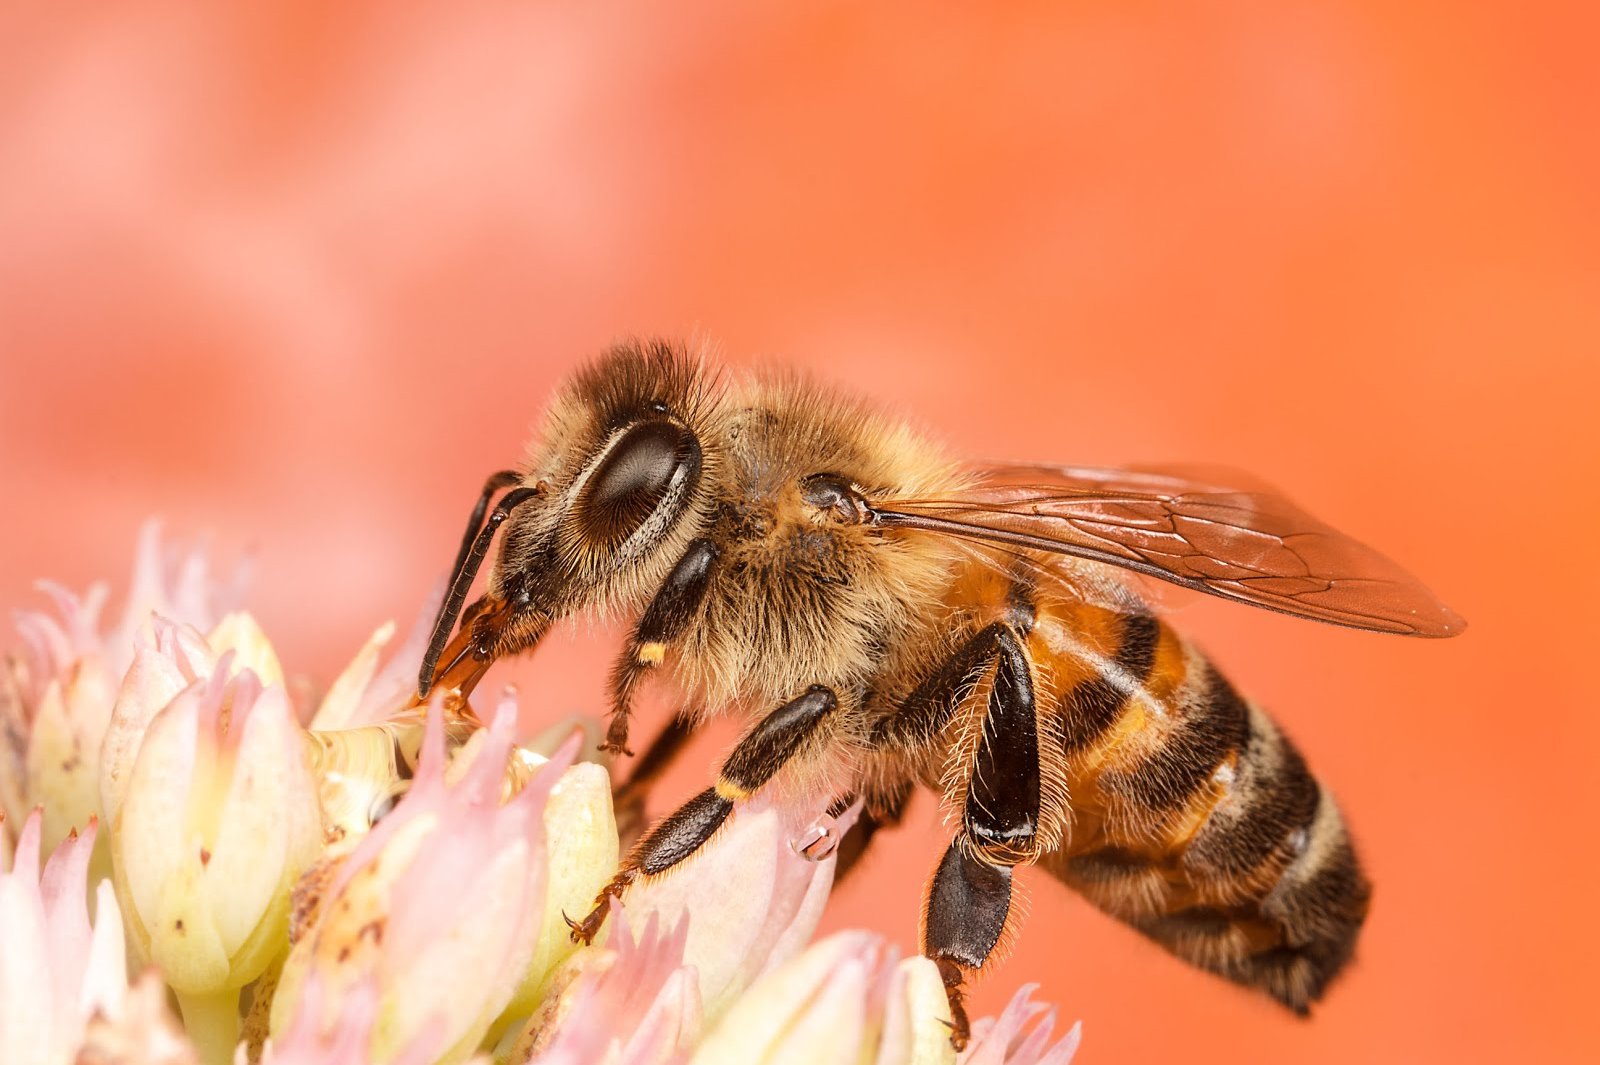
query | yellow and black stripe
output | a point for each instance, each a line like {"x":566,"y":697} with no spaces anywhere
{"x":1194,"y":819}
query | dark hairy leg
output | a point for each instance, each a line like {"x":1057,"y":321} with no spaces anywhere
{"x":662,"y":622}
{"x":757,"y":758}
{"x":969,"y":898}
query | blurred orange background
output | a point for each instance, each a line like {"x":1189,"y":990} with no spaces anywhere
{"x":300,"y":274}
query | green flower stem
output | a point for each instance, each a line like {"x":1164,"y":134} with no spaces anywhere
{"x":212,"y":1022}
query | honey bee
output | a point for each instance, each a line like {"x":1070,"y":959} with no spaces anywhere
{"x":886,"y":617}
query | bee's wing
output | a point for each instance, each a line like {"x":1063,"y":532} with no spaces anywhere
{"x":1199,"y":530}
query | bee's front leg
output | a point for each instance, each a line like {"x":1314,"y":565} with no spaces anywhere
{"x":758,"y":757}
{"x":663,"y":621}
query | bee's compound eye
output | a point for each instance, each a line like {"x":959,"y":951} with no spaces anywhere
{"x":634,"y":476}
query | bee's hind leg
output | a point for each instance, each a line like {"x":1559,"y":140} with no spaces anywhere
{"x":763,"y":751}
{"x":969,"y":899}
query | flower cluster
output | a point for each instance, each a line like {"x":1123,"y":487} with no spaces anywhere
{"x":387,"y":886}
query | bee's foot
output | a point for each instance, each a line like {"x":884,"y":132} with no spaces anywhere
{"x":960,"y":1027}
{"x":960,"y":1030}
{"x":584,"y":931}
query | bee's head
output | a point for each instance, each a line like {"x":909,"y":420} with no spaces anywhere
{"x":613,"y":490}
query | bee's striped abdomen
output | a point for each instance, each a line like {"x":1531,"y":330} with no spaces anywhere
{"x":1193,"y":817}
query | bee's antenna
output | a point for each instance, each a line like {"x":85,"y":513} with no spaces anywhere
{"x":496,"y":481}
{"x":474,"y":546}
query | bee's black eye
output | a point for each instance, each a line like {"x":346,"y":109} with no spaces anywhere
{"x":635,"y":477}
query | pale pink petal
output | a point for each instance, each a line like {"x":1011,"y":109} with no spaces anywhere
{"x":170,"y":583}
{"x":269,"y":825}
{"x":152,"y":682}
{"x":814,"y":1005}
{"x":47,"y":646}
{"x":1020,"y":1035}
{"x":190,"y":595}
{"x":140,"y":1031}
{"x":105,"y":979}
{"x":365,"y":694}
{"x":752,"y":900}
{"x":349,"y":1041}
{"x":633,"y":1003}
{"x":160,"y":842}
{"x":396,"y":682}
{"x":55,"y":971}
{"x":24,"y":998}
{"x":669,"y":1025}
{"x":184,"y":644}
{"x":78,"y":634}
{"x":440,"y":903}
{"x":147,"y":591}
{"x":340,"y":707}
{"x":63,"y":887}
{"x":833,"y":1027}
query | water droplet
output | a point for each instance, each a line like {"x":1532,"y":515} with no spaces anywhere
{"x":817,"y":842}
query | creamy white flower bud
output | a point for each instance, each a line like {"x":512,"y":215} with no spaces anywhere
{"x":238,"y":632}
{"x":580,"y":856}
{"x":816,"y":1007}
{"x":217,"y":821}
{"x":63,"y":760}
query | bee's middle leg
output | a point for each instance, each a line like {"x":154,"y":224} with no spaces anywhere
{"x":880,"y":812}
{"x":756,"y":760}
{"x":628,"y":801}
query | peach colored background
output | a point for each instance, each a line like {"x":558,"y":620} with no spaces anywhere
{"x":300,"y":274}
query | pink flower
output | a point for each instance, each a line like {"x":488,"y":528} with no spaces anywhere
{"x":429,"y":864}
{"x":439,"y":906}
{"x":349,"y":1041}
{"x":1021,"y":1035}
{"x":57,"y":691}
{"x":634,"y":1002}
